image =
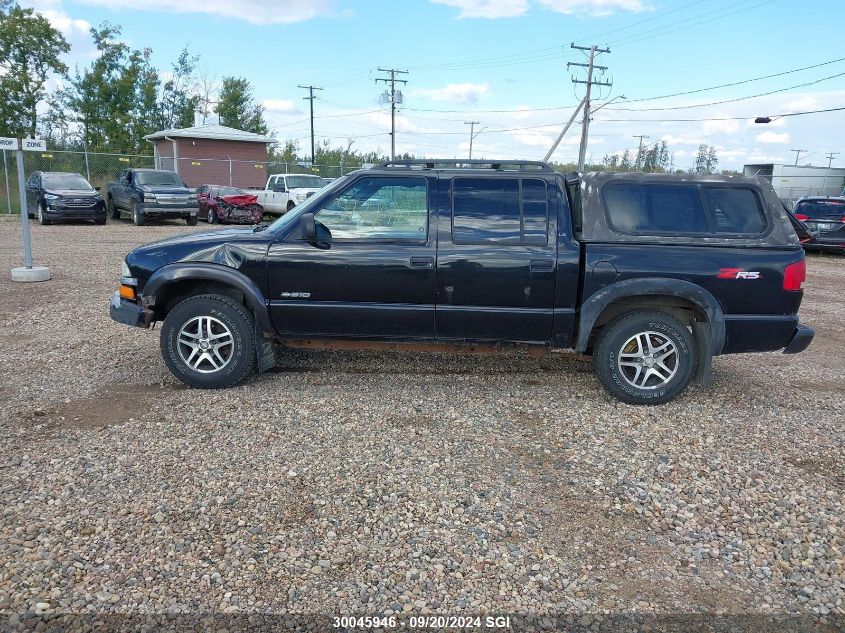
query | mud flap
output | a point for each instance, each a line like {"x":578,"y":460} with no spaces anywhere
{"x":265,"y":349}
{"x":704,"y":343}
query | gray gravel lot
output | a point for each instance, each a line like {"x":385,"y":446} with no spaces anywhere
{"x":379,"y":483}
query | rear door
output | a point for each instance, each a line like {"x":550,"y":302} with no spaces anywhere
{"x":496,"y":259}
{"x":371,"y":274}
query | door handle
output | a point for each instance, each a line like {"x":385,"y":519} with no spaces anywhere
{"x":422,"y":262}
{"x":541,"y":265}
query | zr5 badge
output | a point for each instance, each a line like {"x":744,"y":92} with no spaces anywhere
{"x":737,"y":273}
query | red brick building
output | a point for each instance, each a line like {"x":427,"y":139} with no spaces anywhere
{"x":212,"y":154}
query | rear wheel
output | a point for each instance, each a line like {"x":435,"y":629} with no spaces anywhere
{"x":137,"y":214}
{"x":112,"y":210}
{"x":207,"y":342}
{"x":645,"y":357}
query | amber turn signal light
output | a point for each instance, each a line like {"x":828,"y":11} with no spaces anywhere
{"x":127,"y":292}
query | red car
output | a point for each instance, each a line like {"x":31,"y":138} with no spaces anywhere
{"x":219,"y":203}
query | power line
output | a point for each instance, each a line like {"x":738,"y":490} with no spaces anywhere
{"x":394,"y":96}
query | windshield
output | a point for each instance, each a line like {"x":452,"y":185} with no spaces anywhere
{"x":73,"y":182}
{"x":305,"y":182}
{"x":820,"y":208}
{"x":157,"y":178}
{"x":229,"y":191}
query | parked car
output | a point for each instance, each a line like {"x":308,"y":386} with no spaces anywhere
{"x":651,"y":274}
{"x":58,"y":195}
{"x":824,"y":216}
{"x":228,"y":205}
{"x":284,"y":191}
{"x":156,"y":194}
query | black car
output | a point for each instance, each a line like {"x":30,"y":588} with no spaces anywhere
{"x":824,"y":216}
{"x":57,"y":195}
{"x":651,"y":274}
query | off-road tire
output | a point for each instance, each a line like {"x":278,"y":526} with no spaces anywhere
{"x":137,"y":215}
{"x":234,"y":316}
{"x":612,"y":342}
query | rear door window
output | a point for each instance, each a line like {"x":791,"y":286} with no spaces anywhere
{"x":735,"y":210}
{"x":508,"y":211}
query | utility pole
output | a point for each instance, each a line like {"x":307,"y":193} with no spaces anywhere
{"x":830,"y":156}
{"x":310,"y":98}
{"x":472,"y":134}
{"x":394,"y":97}
{"x":585,"y":126}
{"x":797,"y":154}
{"x":640,"y":151}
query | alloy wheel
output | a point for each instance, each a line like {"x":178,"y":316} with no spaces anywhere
{"x":206,"y":344}
{"x":648,"y":360}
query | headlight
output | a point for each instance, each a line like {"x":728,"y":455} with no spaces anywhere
{"x":300,"y":197}
{"x":124,"y":270}
{"x":49,"y":197}
{"x":149,"y":197}
{"x":192,"y":200}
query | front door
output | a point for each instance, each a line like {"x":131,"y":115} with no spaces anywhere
{"x":370,"y":274}
{"x":496,"y":259}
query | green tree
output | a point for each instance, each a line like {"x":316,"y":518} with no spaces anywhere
{"x":178,"y":98}
{"x":237,"y":107}
{"x":30,"y":50}
{"x":625,"y":163}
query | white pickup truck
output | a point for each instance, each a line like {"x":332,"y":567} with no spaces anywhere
{"x":284,"y":191}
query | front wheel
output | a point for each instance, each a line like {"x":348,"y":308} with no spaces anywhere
{"x":207,"y":342}
{"x":191,"y":220}
{"x":41,"y":219}
{"x":111,"y":209}
{"x":137,"y":214}
{"x":645,"y":357}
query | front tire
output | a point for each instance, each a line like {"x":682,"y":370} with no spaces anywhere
{"x":645,"y":357}
{"x":212,"y":216}
{"x":112,"y":210}
{"x":191,"y":220}
{"x":41,"y":219}
{"x":137,"y":215}
{"x":207,"y":342}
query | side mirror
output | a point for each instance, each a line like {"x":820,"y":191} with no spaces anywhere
{"x":309,"y":227}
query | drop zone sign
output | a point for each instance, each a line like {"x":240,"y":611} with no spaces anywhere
{"x":29,"y":144}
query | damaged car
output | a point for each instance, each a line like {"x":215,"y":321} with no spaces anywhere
{"x":228,"y":205}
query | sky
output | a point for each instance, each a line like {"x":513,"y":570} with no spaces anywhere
{"x":504,"y":63}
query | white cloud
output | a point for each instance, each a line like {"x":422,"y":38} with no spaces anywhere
{"x":534,"y":139}
{"x":258,"y":12}
{"x":455,"y":93}
{"x":772,"y":137}
{"x":489,"y":9}
{"x":284,"y":106}
{"x":596,"y":8}
{"x":725,"y":127}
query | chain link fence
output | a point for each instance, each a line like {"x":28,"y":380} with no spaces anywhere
{"x":99,"y":168}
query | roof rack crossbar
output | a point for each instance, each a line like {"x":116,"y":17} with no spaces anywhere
{"x":499,"y":165}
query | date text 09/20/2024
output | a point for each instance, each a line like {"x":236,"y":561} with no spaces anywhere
{"x":423,"y":622}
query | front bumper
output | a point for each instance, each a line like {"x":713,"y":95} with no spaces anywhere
{"x":801,"y":339}
{"x":164,"y":211}
{"x":129,"y":312}
{"x":96,"y":212}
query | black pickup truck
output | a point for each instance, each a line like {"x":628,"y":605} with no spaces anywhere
{"x":152,"y":193}
{"x":651,"y":274}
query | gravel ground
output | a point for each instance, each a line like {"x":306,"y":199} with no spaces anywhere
{"x":390,"y":483}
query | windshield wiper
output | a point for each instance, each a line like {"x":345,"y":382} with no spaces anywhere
{"x":260,"y":227}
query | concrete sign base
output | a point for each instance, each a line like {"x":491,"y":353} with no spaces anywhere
{"x":36,"y":273}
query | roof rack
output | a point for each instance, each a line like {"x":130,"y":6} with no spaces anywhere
{"x":458,"y":163}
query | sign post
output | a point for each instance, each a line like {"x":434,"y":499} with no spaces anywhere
{"x":28,"y":272}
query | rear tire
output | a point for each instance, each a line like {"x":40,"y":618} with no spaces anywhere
{"x":207,"y":342}
{"x":645,"y":357}
{"x":137,"y":215}
{"x":112,"y":210}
